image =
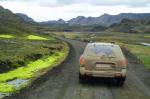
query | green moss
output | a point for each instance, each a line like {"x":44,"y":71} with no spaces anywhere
{"x":6,"y":36}
{"x":31,"y":68}
{"x":6,"y":88}
{"x":34,"y":37}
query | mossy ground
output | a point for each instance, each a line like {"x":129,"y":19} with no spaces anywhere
{"x":4,"y":87}
{"x":6,"y":36}
{"x":35,"y":37}
{"x":24,"y":58}
{"x":141,"y":52}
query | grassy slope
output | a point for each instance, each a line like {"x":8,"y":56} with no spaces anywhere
{"x":13,"y":24}
{"x":28,"y":55}
{"x":24,"y":52}
{"x":15,"y":51}
{"x":130,"y":41}
{"x":134,"y":26}
{"x":141,"y":52}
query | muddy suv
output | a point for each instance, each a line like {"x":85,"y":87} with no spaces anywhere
{"x":103,"y":60}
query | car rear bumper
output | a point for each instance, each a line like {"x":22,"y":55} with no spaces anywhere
{"x":111,"y":74}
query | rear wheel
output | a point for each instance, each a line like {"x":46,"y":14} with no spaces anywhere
{"x":120,"y":81}
{"x":82,"y":78}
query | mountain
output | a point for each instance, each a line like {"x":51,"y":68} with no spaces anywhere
{"x":25,"y":17}
{"x":131,"y":26}
{"x":103,"y":20}
{"x":106,"y":19}
{"x":11,"y":23}
{"x":53,"y":22}
{"x":80,"y":20}
{"x":124,"y":22}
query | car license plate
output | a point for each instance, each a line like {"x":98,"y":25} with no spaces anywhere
{"x":103,"y":66}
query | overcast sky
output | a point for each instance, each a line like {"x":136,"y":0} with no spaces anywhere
{"x":43,"y":10}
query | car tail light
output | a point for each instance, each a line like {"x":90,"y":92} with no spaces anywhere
{"x":123,"y":62}
{"x":82,"y":60}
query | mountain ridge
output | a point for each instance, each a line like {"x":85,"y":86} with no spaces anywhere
{"x":123,"y":22}
{"x":11,"y":23}
{"x":25,"y":17}
{"x":104,"y":20}
{"x":131,"y":26}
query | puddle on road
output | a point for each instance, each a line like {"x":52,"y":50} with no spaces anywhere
{"x":2,"y":95}
{"x":17,"y":83}
{"x":146,"y":44}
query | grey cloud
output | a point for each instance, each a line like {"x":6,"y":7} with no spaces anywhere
{"x":132,"y":3}
{"x":107,"y":2}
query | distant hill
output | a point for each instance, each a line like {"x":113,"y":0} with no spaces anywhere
{"x":106,"y":19}
{"x":11,"y":23}
{"x":53,"y":22}
{"x":76,"y":28}
{"x":125,"y":22}
{"x":25,"y":17}
{"x":81,"y":20}
{"x":131,"y":26}
{"x":103,"y":20}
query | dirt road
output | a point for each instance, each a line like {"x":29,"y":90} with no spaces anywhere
{"x":62,"y":82}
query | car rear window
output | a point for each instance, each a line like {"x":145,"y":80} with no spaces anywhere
{"x":102,"y":49}
{"x":99,"y":50}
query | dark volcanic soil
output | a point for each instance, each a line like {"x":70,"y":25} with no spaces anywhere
{"x":62,"y":82}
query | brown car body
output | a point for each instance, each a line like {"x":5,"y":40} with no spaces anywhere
{"x":103,"y":60}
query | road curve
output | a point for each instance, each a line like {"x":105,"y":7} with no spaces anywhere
{"x":62,"y":82}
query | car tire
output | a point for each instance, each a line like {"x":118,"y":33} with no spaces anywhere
{"x":81,"y":78}
{"x":120,"y":81}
